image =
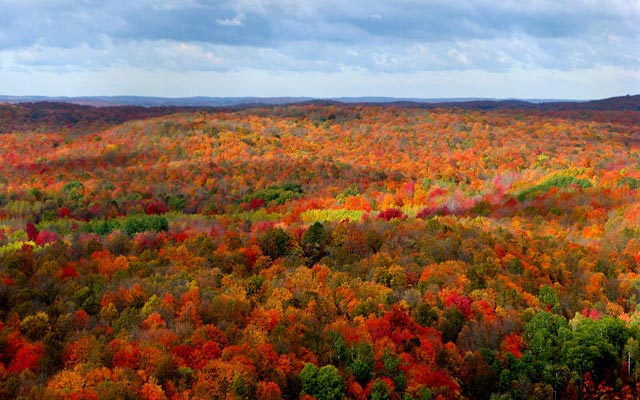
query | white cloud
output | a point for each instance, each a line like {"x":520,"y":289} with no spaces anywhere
{"x":561,"y":40}
{"x":235,"y":21}
{"x":379,"y":56}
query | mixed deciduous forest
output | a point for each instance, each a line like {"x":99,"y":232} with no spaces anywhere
{"x":319,"y":251}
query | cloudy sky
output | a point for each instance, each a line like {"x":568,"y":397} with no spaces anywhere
{"x":573,"y":49}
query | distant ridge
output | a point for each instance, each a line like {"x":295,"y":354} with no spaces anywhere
{"x":202,"y":101}
{"x":106,"y":101}
{"x":622,"y":103}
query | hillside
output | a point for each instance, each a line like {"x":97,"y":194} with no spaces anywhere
{"x":72,"y":118}
{"x":622,"y":103}
{"x":91,"y":114}
{"x":398,"y":251}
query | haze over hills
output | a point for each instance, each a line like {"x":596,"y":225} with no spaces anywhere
{"x":82,"y":114}
{"x":103,"y":101}
{"x":621,"y":103}
{"x":626,"y":102}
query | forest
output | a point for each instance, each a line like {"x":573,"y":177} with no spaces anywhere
{"x":319,"y":251}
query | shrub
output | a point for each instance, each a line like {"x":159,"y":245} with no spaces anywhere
{"x":391,"y":213}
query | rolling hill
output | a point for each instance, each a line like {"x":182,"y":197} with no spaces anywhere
{"x":320,"y":249}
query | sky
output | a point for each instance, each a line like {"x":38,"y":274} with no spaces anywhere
{"x":562,"y":49}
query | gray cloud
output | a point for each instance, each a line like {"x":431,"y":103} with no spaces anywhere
{"x":271,"y":22}
{"x":331,"y":36}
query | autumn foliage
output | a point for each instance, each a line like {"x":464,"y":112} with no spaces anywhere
{"x":319,"y":251}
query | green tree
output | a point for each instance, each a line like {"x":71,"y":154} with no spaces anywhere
{"x":541,"y":336}
{"x":380,"y":391}
{"x":549,"y":298}
{"x":275,"y":242}
{"x":391,"y":364}
{"x":142,"y":223}
{"x":362,"y":363}
{"x":594,"y":346}
{"x":358,"y":358}
{"x":35,"y":327}
{"x":73,"y":190}
{"x":322,"y":383}
{"x":425,"y":315}
{"x":314,"y":243}
{"x":451,"y":324}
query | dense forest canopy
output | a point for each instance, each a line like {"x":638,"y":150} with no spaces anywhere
{"x":319,"y":251}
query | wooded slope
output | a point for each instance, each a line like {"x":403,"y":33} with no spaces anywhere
{"x":322,"y":250}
